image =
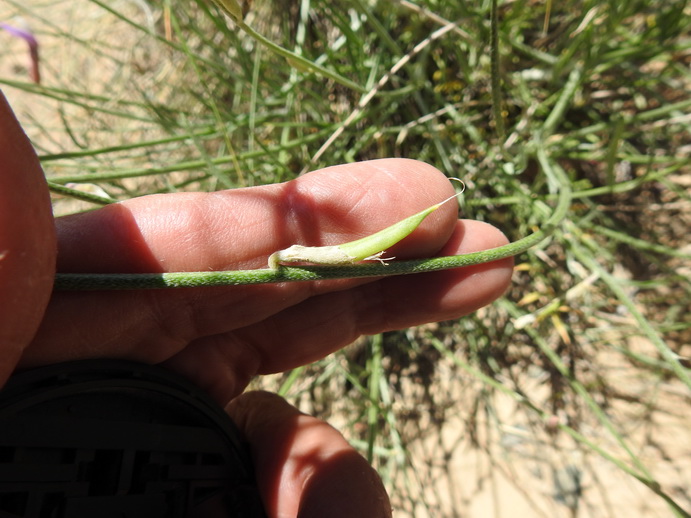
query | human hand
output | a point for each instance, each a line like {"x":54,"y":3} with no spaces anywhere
{"x":222,"y":337}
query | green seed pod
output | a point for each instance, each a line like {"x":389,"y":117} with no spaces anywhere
{"x":369,"y":247}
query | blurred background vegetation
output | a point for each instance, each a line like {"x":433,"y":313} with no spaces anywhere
{"x":570,"y":396}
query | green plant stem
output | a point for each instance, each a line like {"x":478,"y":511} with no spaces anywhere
{"x":184,"y":166}
{"x":557,"y":113}
{"x":374,"y":380}
{"x":297,"y":60}
{"x":119,"y":281}
{"x":79,"y":195}
{"x":496,"y":78}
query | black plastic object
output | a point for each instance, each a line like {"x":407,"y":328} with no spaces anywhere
{"x":104,"y":439}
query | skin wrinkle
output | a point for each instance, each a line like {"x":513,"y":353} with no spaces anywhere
{"x":355,"y":207}
{"x":198,"y":321}
{"x":231,"y":224}
{"x":328,"y":321}
{"x":304,"y":470}
{"x":174,"y":328}
{"x":193,"y":214}
{"x":369,"y":311}
{"x":342,"y":224}
{"x":272,"y":332}
{"x":274,"y":335}
{"x":149,"y":338}
{"x":83,"y":239}
{"x":301,"y":223}
{"x":300,"y":337}
{"x":231,"y":353}
{"x":407,"y":193}
{"x":251,"y":357}
{"x":312,"y":343}
{"x":220,"y":310}
{"x":194,"y":246}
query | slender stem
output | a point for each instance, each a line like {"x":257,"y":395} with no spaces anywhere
{"x":185,"y":166}
{"x":297,"y":60}
{"x":496,"y":78}
{"x":79,"y":195}
{"x":557,"y":113}
{"x":373,"y":384}
{"x":106,"y":281}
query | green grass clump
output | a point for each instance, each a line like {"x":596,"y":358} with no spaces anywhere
{"x":581,"y":372}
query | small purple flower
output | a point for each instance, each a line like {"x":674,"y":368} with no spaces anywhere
{"x":26,"y":34}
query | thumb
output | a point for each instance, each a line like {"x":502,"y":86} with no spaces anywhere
{"x":27,"y":241}
{"x":304,"y":467}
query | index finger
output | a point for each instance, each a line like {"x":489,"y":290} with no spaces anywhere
{"x":240,"y":228}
